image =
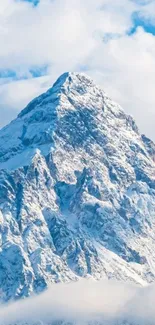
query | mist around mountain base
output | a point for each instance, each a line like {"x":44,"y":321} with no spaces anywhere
{"x":85,"y":302}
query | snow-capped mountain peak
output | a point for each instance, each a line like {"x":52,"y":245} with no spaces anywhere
{"x":77,"y":184}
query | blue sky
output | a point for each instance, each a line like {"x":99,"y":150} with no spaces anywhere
{"x":34,"y":2}
{"x":145,"y":23}
{"x":112,"y":41}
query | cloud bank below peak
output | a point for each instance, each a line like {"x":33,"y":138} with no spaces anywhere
{"x":85,"y":302}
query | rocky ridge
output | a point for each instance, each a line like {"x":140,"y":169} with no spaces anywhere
{"x":77,"y":192}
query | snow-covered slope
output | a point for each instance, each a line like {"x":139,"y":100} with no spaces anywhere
{"x":77,"y":192}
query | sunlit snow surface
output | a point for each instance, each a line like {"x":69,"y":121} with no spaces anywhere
{"x":77,"y":192}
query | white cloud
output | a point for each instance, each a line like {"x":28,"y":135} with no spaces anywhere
{"x":56,"y":32}
{"x":16,"y":94}
{"x":108,"y":302}
{"x":148,"y":11}
{"x":68,"y":35}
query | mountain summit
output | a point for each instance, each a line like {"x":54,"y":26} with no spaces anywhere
{"x":77,"y":192}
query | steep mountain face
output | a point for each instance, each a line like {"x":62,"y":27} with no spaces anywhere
{"x":77,"y":192}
